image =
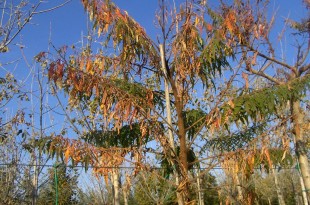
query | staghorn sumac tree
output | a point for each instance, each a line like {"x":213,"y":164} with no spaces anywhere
{"x":198,"y":56}
{"x":181,"y":88}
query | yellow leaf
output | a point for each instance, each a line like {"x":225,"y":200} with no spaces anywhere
{"x":231,"y":103}
{"x":99,"y":31}
{"x":106,"y":27}
{"x":196,"y":21}
{"x":88,"y":66}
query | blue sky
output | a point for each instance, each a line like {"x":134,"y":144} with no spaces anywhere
{"x":67,"y":25}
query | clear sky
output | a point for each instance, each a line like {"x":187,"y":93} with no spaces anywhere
{"x":66,"y":25}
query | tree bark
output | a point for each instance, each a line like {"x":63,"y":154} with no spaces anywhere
{"x":200,"y":193}
{"x":115,"y":181}
{"x":183,"y":163}
{"x":183,"y":151}
{"x":300,"y":145}
{"x":239,"y":189}
{"x":269,"y":201}
{"x":304,"y":195}
{"x":169,"y":120}
{"x":34,"y":182}
{"x":125,"y":193}
{"x":278,"y":189}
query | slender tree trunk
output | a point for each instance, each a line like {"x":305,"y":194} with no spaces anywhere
{"x":278,"y":189}
{"x":239,"y":189}
{"x":304,"y":195}
{"x":115,"y":181}
{"x":125,"y":193}
{"x":184,"y":185}
{"x":200,"y":193}
{"x":169,"y":120}
{"x":301,"y":150}
{"x":126,"y":190}
{"x":269,"y":201}
{"x":34,"y":182}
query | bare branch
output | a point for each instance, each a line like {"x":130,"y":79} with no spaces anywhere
{"x":52,"y":9}
{"x":271,"y":58}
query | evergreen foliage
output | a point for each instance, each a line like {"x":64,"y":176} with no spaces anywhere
{"x":67,"y":187}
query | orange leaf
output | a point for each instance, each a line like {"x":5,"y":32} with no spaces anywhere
{"x":230,"y":22}
{"x":67,"y":154}
{"x":209,"y":27}
{"x":268,"y":157}
{"x":88,"y":66}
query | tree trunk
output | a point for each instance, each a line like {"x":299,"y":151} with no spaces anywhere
{"x":115,"y":181}
{"x":304,"y":195}
{"x":239,"y":189}
{"x":125,"y":197}
{"x":183,"y":163}
{"x":169,"y":120}
{"x":269,"y":201}
{"x":200,"y":193}
{"x":300,"y":144}
{"x":34,"y":183}
{"x":184,"y":185}
{"x":278,"y":189}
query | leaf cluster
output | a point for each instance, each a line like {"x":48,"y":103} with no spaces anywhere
{"x":118,"y":99}
{"x":194,"y":119}
{"x":262,"y":103}
{"x":124,"y":32}
{"x":237,"y":140}
{"x":128,"y":136}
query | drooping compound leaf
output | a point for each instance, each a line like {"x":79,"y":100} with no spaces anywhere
{"x":128,"y":136}
{"x":235,"y":140}
{"x":265,"y":102}
{"x":194,"y":119}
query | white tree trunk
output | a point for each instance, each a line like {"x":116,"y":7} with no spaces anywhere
{"x":169,"y":120}
{"x":34,"y":183}
{"x":304,"y":195}
{"x":239,"y":189}
{"x":298,"y":120}
{"x":125,"y":195}
{"x":200,"y":193}
{"x":278,"y":188}
{"x":115,"y":181}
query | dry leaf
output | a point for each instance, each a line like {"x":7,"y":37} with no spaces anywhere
{"x":245,"y":76}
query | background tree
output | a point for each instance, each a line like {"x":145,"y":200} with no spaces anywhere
{"x":251,"y":34}
{"x":68,"y":188}
{"x":152,"y":188}
{"x":15,"y":16}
